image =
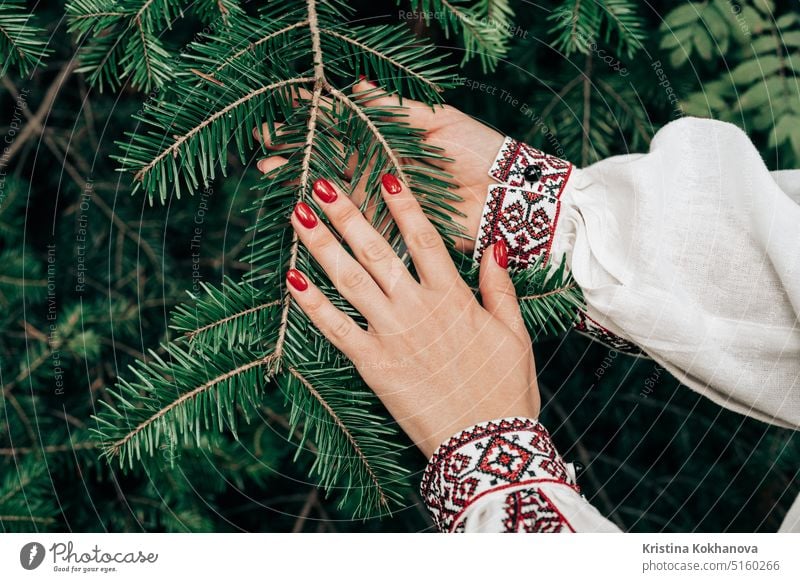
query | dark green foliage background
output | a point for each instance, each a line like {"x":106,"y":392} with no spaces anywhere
{"x":658,"y":457}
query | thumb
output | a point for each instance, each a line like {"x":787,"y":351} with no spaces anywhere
{"x":497,"y":290}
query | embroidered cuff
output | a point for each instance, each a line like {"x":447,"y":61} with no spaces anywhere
{"x":523,"y":208}
{"x":492,"y":456}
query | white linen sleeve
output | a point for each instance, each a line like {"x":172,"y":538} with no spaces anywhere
{"x":690,"y":252}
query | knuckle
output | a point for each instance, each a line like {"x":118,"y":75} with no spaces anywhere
{"x":502,"y":290}
{"x":320,"y":237}
{"x":427,"y":239}
{"x":324,"y":242}
{"x":463,"y":301}
{"x":376,"y":250}
{"x":348,"y":214}
{"x":340,"y":329}
{"x":313,"y":308}
{"x":354,"y":279}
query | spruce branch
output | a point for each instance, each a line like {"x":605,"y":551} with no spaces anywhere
{"x":121,"y":39}
{"x":184,"y":144}
{"x":23,"y":496}
{"x":484,"y":26}
{"x":237,"y":339}
{"x":311,"y":128}
{"x":578,"y":24}
{"x":176,"y":397}
{"x":231,"y":313}
{"x":359,"y":453}
{"x":23,"y":43}
{"x":384,"y":53}
{"x":549,"y":298}
{"x":264,"y":41}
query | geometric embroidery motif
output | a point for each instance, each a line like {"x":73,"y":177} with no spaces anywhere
{"x":522,"y":212}
{"x":530,"y":511}
{"x":514,"y":157}
{"x":526,"y":221}
{"x":502,"y":458}
{"x":487,"y":456}
{"x":525,"y":215}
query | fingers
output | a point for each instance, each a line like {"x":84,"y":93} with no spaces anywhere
{"x":270,"y":164}
{"x":273,"y":136}
{"x":497,"y":290}
{"x":350,"y":278}
{"x":369,"y":247}
{"x":337,"y":326}
{"x":427,"y":249}
{"x":417,"y":114}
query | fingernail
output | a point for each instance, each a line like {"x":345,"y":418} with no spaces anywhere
{"x":392,"y":184}
{"x":324,"y":190}
{"x":296,"y":279}
{"x":262,"y":165}
{"x":501,"y":253}
{"x":305,"y":215}
{"x":364,"y":78}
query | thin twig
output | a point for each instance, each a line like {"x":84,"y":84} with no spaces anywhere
{"x":172,"y":150}
{"x":34,"y":125}
{"x":224,"y":320}
{"x":260,"y":41}
{"x":12,"y":451}
{"x":585,"y":458}
{"x":353,"y":442}
{"x":31,"y":518}
{"x":587,"y":108}
{"x":548,"y":293}
{"x":114,"y":448}
{"x":305,"y":511}
{"x":366,"y":48}
{"x":626,"y":106}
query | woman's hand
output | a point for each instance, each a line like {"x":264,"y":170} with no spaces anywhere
{"x":470,"y":144}
{"x":437,"y":359}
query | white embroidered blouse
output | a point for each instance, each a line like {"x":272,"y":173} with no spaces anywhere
{"x":689,"y":254}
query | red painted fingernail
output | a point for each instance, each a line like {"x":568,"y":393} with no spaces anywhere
{"x":392,"y":184}
{"x":324,"y":190}
{"x":296,"y":279}
{"x":364,"y":78}
{"x":501,"y":253}
{"x":305,"y":215}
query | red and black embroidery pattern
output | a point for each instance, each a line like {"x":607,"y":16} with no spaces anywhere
{"x":514,"y":156}
{"x":523,"y":213}
{"x":531,"y":511}
{"x":589,"y":327}
{"x":488,"y":457}
{"x":524,"y":219}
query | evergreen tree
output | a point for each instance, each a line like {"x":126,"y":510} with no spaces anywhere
{"x":196,"y":400}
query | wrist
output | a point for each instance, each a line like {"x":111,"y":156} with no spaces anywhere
{"x":435,"y":431}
